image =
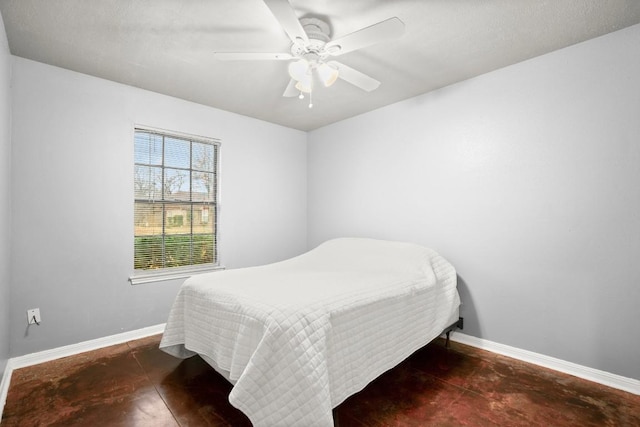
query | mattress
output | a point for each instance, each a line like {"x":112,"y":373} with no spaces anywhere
{"x":298,"y":337}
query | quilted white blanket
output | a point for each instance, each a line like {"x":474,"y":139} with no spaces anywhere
{"x":299,"y":336}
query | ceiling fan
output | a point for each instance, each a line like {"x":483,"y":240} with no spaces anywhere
{"x":312,"y":48}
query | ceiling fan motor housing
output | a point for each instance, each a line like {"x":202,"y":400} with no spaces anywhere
{"x":319,"y":34}
{"x":316,"y":29}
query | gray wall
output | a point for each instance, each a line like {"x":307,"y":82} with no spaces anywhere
{"x":73,"y":201}
{"x":527,"y":179}
{"x":5,"y":195}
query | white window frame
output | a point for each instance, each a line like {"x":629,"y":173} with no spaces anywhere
{"x":141,"y":276}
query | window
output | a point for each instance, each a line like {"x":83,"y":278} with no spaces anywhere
{"x":175,"y":207}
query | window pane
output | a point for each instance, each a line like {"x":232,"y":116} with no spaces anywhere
{"x":203,"y":219}
{"x":177,"y":219}
{"x":203,"y":157}
{"x":148,"y":182}
{"x":177,"y":250}
{"x":148,"y":218}
{"x":203,"y":187}
{"x":176,"y":184}
{"x":177,"y":153}
{"x":148,"y":252}
{"x":148,"y":148}
{"x":203,"y":249}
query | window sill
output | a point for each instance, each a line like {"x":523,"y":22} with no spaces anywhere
{"x":143,"y":277}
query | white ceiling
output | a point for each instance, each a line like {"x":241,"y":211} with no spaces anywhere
{"x":166,"y":46}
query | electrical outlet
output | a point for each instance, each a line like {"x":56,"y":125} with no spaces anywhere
{"x":33,"y":316}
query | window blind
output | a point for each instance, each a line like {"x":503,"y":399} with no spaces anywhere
{"x":175,"y":206}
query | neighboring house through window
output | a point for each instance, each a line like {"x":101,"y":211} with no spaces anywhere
{"x":175,"y":207}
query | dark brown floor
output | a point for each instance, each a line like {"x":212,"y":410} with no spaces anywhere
{"x":136,"y":384}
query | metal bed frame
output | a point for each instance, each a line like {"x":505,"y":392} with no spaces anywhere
{"x":459,"y":324}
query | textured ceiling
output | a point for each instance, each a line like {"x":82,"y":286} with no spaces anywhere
{"x":166,"y":46}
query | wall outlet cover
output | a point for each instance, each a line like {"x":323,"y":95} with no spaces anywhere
{"x":33,"y":316}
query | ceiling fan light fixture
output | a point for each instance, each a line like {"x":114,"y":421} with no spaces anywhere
{"x":299,"y":70}
{"x":304,"y":86}
{"x":328,"y":75}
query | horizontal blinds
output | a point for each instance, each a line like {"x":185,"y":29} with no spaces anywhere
{"x":175,"y":207}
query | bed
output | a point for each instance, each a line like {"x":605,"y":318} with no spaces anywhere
{"x":297,"y":337}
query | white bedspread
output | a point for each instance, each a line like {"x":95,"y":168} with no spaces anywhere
{"x":299,"y":336}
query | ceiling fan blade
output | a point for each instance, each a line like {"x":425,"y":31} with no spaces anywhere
{"x":389,"y":29}
{"x":251,"y":56}
{"x":288,"y":19}
{"x":291,"y":90}
{"x":355,"y":77}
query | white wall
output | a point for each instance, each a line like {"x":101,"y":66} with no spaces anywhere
{"x":5,"y":195}
{"x":527,"y":179}
{"x":73,"y":201}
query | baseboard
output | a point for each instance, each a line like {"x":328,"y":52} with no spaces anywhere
{"x":4,"y":385}
{"x":69,"y":350}
{"x":601,"y":377}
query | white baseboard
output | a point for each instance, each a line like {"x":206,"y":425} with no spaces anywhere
{"x":69,"y":350}
{"x":601,"y":377}
{"x":4,"y":385}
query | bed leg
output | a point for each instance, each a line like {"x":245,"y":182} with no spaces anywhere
{"x":459,"y":324}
